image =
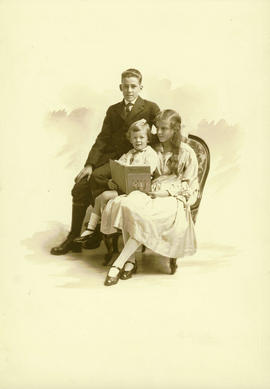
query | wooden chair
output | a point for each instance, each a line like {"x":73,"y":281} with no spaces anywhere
{"x":203,"y":155}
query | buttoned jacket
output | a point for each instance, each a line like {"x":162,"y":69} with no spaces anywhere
{"x":112,"y":142}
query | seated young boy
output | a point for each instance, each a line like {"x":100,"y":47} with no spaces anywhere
{"x":139,"y":135}
{"x":111,"y":143}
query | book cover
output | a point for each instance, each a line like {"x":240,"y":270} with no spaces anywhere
{"x":130,"y":178}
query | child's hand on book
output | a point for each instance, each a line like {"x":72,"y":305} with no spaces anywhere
{"x":112,"y":185}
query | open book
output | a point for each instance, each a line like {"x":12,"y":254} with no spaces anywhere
{"x":129,"y":178}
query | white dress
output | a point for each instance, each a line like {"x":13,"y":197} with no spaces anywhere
{"x":162,"y":224}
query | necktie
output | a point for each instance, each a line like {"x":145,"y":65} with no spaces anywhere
{"x":128,"y":108}
{"x":133,"y":156}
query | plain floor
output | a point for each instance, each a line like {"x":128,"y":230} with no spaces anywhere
{"x":204,"y":327}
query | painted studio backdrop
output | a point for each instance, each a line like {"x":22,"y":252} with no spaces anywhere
{"x":208,"y":325}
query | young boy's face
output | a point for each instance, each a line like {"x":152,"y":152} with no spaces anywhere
{"x":130,"y":88}
{"x":139,"y":139}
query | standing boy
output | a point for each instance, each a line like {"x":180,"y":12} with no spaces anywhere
{"x":111,"y":143}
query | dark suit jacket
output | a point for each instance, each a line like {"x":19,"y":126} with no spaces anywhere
{"x":111,"y":142}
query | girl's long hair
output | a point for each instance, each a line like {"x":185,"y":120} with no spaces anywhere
{"x":175,"y":123}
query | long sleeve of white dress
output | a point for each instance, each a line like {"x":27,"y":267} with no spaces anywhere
{"x":184,"y":185}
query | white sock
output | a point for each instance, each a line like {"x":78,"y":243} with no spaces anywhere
{"x":129,"y":266}
{"x":128,"y":250}
{"x":86,"y":233}
{"x":94,"y":220}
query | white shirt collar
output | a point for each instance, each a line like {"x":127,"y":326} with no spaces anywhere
{"x":132,"y":102}
{"x":138,"y":151}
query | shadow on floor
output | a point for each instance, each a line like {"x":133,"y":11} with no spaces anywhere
{"x":86,"y":269}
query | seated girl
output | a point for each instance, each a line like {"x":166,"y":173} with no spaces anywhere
{"x":160,"y":220}
{"x":141,"y":154}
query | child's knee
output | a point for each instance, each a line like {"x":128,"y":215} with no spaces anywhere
{"x":108,"y":195}
{"x":102,"y":198}
{"x":99,"y":199}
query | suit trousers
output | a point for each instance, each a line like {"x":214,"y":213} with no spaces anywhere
{"x":84,"y":192}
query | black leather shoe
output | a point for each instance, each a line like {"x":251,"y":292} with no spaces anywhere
{"x":92,"y":241}
{"x":83,"y":239}
{"x":113,"y":280}
{"x":66,"y":246}
{"x":126,"y":274}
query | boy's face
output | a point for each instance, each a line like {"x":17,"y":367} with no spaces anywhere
{"x":130,"y":87}
{"x":139,"y":139}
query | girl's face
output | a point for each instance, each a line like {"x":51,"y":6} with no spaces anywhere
{"x":164,"y":131}
{"x":139,"y":139}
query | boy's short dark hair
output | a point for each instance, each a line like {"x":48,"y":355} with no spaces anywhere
{"x":139,"y":125}
{"x":132,"y":73}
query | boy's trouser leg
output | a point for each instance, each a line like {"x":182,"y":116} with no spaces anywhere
{"x":99,"y":184}
{"x":78,"y":214}
{"x":99,"y":181}
{"x":83,"y":193}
